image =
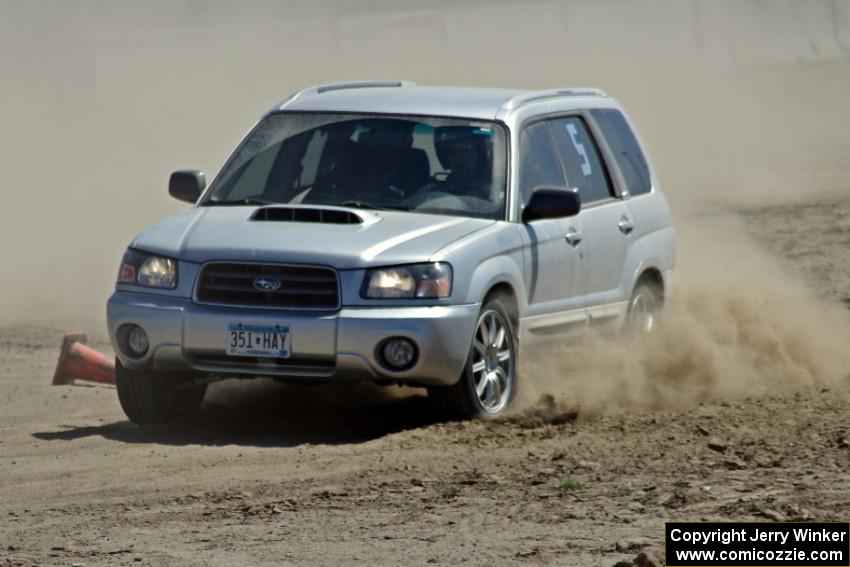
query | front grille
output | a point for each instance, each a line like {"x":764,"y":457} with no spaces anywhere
{"x":301,"y":287}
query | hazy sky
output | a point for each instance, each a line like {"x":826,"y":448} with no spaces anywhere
{"x":102,"y":100}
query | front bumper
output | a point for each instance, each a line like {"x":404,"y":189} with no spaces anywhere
{"x":325,"y":345}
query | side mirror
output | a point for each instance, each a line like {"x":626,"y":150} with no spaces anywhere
{"x":551,"y":203}
{"x":187,"y":185}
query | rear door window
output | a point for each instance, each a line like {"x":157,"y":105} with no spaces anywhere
{"x":626,"y":150}
{"x":539,"y":164}
{"x":583,"y":164}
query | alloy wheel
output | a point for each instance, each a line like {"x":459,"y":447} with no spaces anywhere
{"x":493,"y":362}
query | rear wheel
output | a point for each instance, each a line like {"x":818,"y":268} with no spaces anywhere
{"x":150,"y":397}
{"x":643,"y":308}
{"x":488,"y":383}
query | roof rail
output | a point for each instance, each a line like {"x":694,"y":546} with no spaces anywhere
{"x":362,"y":85}
{"x":319,"y":89}
{"x":536,"y":96}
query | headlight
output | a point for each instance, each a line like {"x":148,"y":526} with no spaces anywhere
{"x":148,"y":270}
{"x":425,"y":281}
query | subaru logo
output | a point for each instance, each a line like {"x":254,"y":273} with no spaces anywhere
{"x":265,"y":283}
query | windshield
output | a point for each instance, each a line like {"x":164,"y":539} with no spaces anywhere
{"x":422,"y":164}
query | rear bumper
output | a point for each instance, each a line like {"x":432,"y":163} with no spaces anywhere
{"x":325,"y":345}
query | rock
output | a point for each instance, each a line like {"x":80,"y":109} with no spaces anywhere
{"x":773,"y":515}
{"x":631,"y":544}
{"x":763,"y":462}
{"x":844,"y":442}
{"x":645,"y":559}
{"x":327,"y":492}
{"x":666,"y":500}
{"x":796,"y":514}
{"x":716,"y":444}
{"x":642,"y":559}
{"x":703,"y":430}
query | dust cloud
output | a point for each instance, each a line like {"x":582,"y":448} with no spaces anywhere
{"x":743,"y":321}
{"x":739,"y":325}
{"x":740,"y":103}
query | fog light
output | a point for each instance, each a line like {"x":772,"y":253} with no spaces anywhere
{"x":137,"y":341}
{"x":399,"y":353}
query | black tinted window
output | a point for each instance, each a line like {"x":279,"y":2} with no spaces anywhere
{"x":626,"y":150}
{"x":585,"y":169}
{"x":538,"y":161}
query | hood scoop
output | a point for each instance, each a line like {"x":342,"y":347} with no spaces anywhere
{"x":306,"y":214}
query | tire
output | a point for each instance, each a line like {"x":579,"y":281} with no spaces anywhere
{"x":644,"y":306}
{"x":493,"y":359}
{"x":149,"y":397}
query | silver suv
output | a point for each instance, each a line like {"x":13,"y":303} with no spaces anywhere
{"x":400,"y":234}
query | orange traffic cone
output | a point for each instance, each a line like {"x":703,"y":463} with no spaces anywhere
{"x":79,"y":362}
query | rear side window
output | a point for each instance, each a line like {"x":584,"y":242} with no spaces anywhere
{"x":582,"y":162}
{"x":626,"y":150}
{"x":539,"y":163}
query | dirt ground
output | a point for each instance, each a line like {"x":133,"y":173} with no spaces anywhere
{"x":274,"y":474}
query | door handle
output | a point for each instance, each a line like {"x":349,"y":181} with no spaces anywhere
{"x":574,"y":237}
{"x":626,"y":225}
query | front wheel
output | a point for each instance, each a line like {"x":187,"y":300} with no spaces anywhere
{"x":489,"y":380}
{"x":151,"y":397}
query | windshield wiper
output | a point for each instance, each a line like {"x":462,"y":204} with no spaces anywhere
{"x":365,"y":205}
{"x":245,"y":201}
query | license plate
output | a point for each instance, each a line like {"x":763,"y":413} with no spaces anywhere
{"x":272,"y":341}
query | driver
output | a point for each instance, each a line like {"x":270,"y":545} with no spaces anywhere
{"x":463,"y":152}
